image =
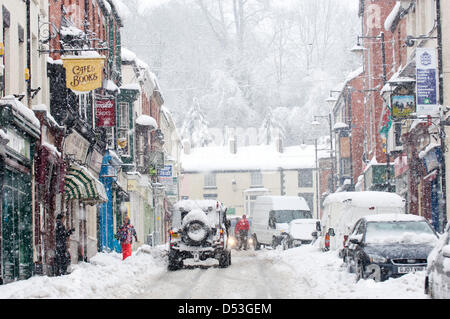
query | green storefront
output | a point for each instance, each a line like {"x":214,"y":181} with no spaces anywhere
{"x":16,"y":167}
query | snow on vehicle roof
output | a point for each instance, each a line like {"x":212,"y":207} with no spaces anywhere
{"x":286,"y":202}
{"x":305,"y":221}
{"x":393,"y":217}
{"x":366,"y":199}
{"x":190,"y":204}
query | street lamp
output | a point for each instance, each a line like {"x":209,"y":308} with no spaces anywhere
{"x":316,"y":124}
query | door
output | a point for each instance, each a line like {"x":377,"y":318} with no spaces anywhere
{"x":17,"y":244}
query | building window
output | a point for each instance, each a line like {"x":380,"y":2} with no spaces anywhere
{"x":84,"y":101}
{"x":256,"y":179}
{"x":110,"y":137}
{"x":209,"y":196}
{"x":210,"y":180}
{"x":123,"y":128}
{"x":305,"y":178}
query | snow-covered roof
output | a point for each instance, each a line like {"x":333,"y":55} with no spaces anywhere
{"x":22,"y":109}
{"x":340,"y":125}
{"x":110,"y":86}
{"x":146,"y":120}
{"x":121,"y":9}
{"x":127,"y":55}
{"x":392,"y":16}
{"x":430,"y":146}
{"x":131,"y":86}
{"x":366,"y":199}
{"x":254,"y":157}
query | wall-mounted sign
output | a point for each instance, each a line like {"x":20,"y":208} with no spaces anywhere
{"x":426,"y":82}
{"x":105,"y":113}
{"x":83,"y":74}
{"x":166,"y":171}
{"x":403,"y":105}
{"x":19,"y":144}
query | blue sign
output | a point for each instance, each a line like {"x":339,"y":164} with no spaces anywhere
{"x":426,"y":82}
{"x":166,"y":171}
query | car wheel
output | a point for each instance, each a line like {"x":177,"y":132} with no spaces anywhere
{"x":174,"y":262}
{"x":274,"y":243}
{"x":359,"y":271}
{"x":285,"y":242}
{"x":224,"y":260}
{"x":256,"y":245}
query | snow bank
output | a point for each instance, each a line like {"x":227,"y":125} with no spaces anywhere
{"x":106,"y":276}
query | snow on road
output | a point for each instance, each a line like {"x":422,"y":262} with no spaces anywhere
{"x":303,"y":272}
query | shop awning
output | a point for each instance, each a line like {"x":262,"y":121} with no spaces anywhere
{"x":82,"y":185}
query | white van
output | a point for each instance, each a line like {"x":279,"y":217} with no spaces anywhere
{"x":343,"y":209}
{"x":274,"y":221}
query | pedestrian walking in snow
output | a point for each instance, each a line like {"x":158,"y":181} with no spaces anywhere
{"x":241,"y":231}
{"x":62,"y":257}
{"x":125,"y":236}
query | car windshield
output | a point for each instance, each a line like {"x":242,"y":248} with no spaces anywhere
{"x":286,"y":216}
{"x":399,"y":232}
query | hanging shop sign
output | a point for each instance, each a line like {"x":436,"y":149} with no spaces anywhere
{"x":83,"y":74}
{"x":105,"y":113}
{"x":426,"y":82}
{"x":403,"y":102}
{"x":77,"y":146}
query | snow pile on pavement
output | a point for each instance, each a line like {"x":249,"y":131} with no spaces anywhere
{"x":326,"y":277}
{"x":106,"y":276}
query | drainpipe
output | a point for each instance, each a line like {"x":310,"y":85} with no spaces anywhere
{"x":28,"y":54}
{"x":443,"y":202}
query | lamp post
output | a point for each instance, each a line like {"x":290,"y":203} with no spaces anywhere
{"x":315,"y":123}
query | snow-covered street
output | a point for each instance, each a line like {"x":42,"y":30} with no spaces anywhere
{"x":303,"y":272}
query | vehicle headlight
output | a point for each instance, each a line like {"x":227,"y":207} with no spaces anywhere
{"x":231,"y":241}
{"x":377,"y":259}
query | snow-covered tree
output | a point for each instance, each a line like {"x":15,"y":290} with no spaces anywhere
{"x":270,"y":129}
{"x":195,"y":127}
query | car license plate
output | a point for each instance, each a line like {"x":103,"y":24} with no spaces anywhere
{"x":404,"y":270}
{"x":196,"y":257}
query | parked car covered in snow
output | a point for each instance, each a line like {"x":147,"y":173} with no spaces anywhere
{"x":437,"y":280}
{"x":274,"y":220}
{"x":389,"y":245}
{"x":343,"y":209}
{"x":199,"y":232}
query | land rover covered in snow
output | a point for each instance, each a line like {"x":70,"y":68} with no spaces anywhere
{"x":199,"y":232}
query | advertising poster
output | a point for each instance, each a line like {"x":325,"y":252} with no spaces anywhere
{"x":426,"y":82}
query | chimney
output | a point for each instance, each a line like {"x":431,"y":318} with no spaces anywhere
{"x":186,"y":147}
{"x":279,"y":144}
{"x":233,"y":145}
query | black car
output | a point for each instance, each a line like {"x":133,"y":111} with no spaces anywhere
{"x":389,"y":245}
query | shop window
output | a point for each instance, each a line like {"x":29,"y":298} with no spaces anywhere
{"x":123,"y":128}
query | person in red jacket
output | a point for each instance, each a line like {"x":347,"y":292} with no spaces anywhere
{"x":125,"y":235}
{"x":241,"y":231}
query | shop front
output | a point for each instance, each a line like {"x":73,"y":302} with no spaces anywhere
{"x":19,"y":131}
